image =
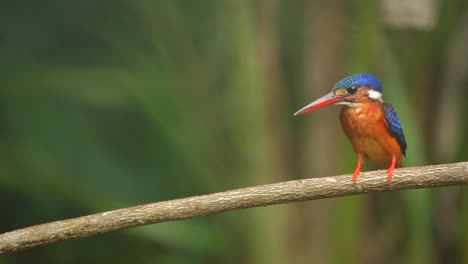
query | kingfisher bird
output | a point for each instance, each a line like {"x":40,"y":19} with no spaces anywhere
{"x":371,"y":125}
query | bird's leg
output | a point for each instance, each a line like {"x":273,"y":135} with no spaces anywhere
{"x":390,"y":169}
{"x":358,"y":168}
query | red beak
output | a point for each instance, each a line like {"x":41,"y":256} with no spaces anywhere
{"x":323,"y":101}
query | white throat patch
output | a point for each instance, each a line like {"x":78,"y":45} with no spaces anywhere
{"x":350,"y":104}
{"x":375,"y":95}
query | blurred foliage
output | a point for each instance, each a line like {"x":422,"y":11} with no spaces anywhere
{"x":107,"y":104}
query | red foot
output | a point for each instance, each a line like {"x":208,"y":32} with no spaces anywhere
{"x":390,"y":170}
{"x":357,"y":170}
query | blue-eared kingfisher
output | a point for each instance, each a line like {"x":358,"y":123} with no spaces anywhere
{"x":371,"y":125}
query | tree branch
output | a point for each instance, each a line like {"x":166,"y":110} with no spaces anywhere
{"x":283,"y":192}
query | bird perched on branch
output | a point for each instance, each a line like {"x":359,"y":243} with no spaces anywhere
{"x":371,"y":125}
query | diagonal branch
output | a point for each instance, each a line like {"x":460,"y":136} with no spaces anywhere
{"x":283,"y":192}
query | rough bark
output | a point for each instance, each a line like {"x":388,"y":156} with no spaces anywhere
{"x":283,"y":192}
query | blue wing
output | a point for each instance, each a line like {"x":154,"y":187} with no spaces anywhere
{"x":394,"y":126}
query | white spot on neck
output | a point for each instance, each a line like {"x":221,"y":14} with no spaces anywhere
{"x":375,"y":95}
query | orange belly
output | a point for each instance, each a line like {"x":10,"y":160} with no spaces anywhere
{"x":365,"y":128}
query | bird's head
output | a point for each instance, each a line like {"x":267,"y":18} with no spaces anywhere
{"x":352,"y":91}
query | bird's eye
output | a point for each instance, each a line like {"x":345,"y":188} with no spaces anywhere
{"x":352,"y":89}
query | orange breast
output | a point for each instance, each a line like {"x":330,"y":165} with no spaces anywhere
{"x":365,"y":128}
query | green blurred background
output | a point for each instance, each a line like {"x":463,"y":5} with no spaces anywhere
{"x":107,"y":104}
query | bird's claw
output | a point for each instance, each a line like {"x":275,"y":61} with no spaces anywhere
{"x":390,"y":170}
{"x":356,"y":174}
{"x":390,"y":174}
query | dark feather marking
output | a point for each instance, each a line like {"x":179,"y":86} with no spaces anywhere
{"x":394,"y":126}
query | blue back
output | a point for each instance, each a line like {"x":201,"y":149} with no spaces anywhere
{"x":360,"y":79}
{"x":394,"y":126}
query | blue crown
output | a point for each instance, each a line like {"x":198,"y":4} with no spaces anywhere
{"x":360,"y":79}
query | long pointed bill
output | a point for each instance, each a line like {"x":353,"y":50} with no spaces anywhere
{"x":323,"y":101}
